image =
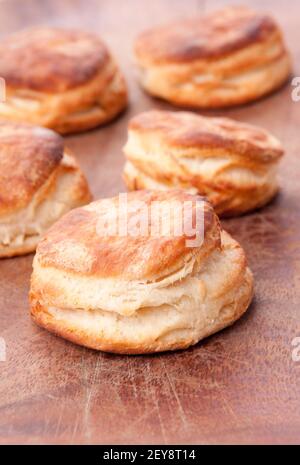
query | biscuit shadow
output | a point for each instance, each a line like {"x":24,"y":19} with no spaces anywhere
{"x":273,"y":205}
{"x":97,"y":128}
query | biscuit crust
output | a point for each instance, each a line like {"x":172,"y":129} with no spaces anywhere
{"x":112,"y":256}
{"x":225,"y":58}
{"x":62,"y":79}
{"x":164,"y":295}
{"x":46,"y":181}
{"x":234,"y":164}
{"x":51,"y":59}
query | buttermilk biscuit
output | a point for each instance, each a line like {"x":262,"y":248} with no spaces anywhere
{"x":39,"y":182}
{"x":233,"y":164}
{"x":133,"y":293}
{"x":225,"y":58}
{"x":62,"y":79}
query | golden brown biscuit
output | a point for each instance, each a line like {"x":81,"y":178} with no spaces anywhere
{"x":225,"y":58}
{"x":62,"y":79}
{"x":234,"y":164}
{"x":135,"y":294}
{"x":39,"y":182}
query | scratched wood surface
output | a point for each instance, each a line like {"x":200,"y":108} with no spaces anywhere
{"x":239,"y":386}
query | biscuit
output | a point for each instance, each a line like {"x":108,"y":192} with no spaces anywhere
{"x":135,"y":294}
{"x":233,"y":164}
{"x":39,"y":182}
{"x":225,"y":58}
{"x":62,"y":79}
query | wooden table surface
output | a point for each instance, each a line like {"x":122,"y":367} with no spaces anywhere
{"x":239,"y":386}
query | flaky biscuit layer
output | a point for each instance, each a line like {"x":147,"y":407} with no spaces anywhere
{"x":201,"y":304}
{"x":39,"y":182}
{"x":229,"y":57}
{"x":69,"y":81}
{"x":137,"y":294}
{"x":233,"y":164}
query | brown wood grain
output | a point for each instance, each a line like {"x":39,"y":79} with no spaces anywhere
{"x":239,"y":386}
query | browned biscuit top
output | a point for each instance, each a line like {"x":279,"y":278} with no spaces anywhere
{"x":189,"y":130}
{"x":28,"y":156}
{"x":213,"y":35}
{"x":75,"y":244}
{"x":51,"y":59}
